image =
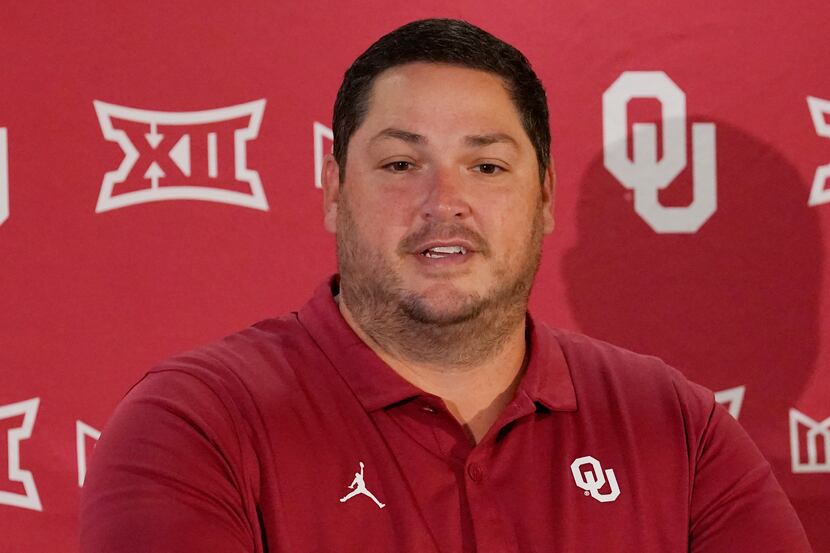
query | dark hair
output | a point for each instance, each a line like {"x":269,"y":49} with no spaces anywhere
{"x":449,"y":41}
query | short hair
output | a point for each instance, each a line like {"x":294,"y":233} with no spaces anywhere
{"x":448,"y":41}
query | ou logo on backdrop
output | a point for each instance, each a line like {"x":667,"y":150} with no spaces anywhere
{"x":592,"y":481}
{"x":644,"y":173}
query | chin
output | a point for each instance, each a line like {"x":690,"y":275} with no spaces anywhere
{"x":444,"y":307}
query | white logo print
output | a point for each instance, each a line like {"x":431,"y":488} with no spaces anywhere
{"x":4,"y":176}
{"x":321,"y":133}
{"x":592,"y":481}
{"x":192,"y":155}
{"x":359,"y":487}
{"x":82,"y":432}
{"x":644,"y":173}
{"x":732,"y":399}
{"x":30,"y":499}
{"x":820,"y":194}
{"x":816,"y":430}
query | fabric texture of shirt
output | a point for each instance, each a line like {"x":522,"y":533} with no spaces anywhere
{"x":293,"y":436}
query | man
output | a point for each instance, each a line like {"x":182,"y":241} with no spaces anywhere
{"x":475,"y":428}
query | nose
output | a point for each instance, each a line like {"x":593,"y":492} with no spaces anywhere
{"x":446,"y":198}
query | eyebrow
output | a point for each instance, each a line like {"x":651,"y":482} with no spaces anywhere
{"x":479,"y":140}
{"x":399,"y":134}
{"x":471,"y":141}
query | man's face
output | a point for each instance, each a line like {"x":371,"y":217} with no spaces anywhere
{"x":441,"y":209}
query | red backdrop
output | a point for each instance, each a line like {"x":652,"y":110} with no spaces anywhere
{"x":142,"y":213}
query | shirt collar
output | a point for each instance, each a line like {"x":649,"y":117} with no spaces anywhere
{"x":547,"y":379}
{"x":376,"y":385}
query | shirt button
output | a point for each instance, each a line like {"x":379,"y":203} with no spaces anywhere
{"x":475,"y":471}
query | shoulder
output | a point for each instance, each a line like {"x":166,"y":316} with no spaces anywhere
{"x":584,"y":353}
{"x":264,"y":351}
{"x":640,"y":403}
{"x":617,"y":376}
{"x":236,"y":374}
{"x":226,"y":392}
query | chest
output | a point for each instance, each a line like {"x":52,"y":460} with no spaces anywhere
{"x":545,"y":483}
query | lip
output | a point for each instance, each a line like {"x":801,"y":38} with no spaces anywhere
{"x":442,"y":263}
{"x":424,"y":246}
{"x":453,"y":260}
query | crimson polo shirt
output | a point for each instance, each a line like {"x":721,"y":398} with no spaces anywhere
{"x":251,"y":444}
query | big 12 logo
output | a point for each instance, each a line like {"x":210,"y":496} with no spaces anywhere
{"x":17,"y":475}
{"x":819,"y":111}
{"x":188,"y":155}
{"x":645,"y":174}
{"x":17,"y":422}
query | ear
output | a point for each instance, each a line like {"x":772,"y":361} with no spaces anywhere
{"x":548,"y":194}
{"x":330,"y":179}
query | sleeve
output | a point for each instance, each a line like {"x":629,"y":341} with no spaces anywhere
{"x":737,"y":504}
{"x":168,"y":474}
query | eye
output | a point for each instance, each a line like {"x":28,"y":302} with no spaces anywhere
{"x":399,"y":166}
{"x":489,"y":168}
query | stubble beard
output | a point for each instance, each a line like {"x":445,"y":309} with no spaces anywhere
{"x":404,"y":323}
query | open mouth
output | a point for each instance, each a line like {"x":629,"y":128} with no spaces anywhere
{"x":438,"y":252}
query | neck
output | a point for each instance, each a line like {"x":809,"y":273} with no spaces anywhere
{"x":476,"y":373}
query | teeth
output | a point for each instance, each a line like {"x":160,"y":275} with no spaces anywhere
{"x":443,"y":251}
{"x":448,"y":249}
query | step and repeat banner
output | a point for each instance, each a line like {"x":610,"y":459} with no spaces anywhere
{"x":159,"y":189}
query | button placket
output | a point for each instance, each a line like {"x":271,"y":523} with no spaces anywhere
{"x":475,"y":471}
{"x":489,"y":524}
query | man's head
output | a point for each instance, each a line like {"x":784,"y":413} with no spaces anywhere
{"x":446,"y":41}
{"x":438,"y":207}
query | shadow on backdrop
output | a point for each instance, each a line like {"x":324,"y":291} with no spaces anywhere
{"x":734,"y":304}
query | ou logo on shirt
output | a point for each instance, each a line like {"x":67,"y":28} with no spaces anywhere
{"x":592,"y":481}
{"x":644,"y":173}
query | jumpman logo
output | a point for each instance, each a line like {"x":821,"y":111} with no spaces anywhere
{"x":359,"y":487}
